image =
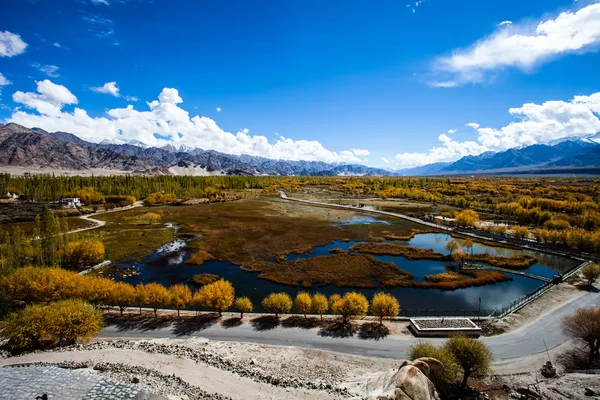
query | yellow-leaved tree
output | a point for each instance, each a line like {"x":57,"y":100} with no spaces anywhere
{"x":151,"y":217}
{"x":72,"y":320}
{"x":156,"y":296}
{"x":303,"y":303}
{"x":83,"y":253}
{"x":384,"y":305}
{"x":353,"y":304}
{"x":122,"y":295}
{"x":217,"y":296}
{"x":320,"y":305}
{"x":277,"y":303}
{"x":181,"y":297}
{"x":467,"y":219}
{"x":243,"y":305}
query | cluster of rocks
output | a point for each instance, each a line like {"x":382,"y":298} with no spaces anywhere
{"x":162,"y":384}
{"x":247,"y":370}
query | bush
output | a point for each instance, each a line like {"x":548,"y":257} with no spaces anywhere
{"x":471,"y":355}
{"x":320,"y":305}
{"x":217,"y":296}
{"x":34,"y":285}
{"x":451,"y":368}
{"x":61,"y":322}
{"x":277,"y":303}
{"x":204,"y":279}
{"x":243,"y":305}
{"x":384,"y":306}
{"x":584,"y":326}
{"x":591,"y":273}
{"x":121,"y":201}
{"x":351,"y":305}
{"x":84,"y":253}
{"x":303,"y":303}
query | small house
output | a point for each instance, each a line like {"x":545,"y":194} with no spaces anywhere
{"x":443,"y":220}
{"x":70,"y":202}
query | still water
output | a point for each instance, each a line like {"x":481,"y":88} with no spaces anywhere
{"x":167,"y":266}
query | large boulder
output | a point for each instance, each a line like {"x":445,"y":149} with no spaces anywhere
{"x":413,"y":384}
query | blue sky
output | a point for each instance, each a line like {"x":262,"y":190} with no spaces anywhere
{"x":385,"y":83}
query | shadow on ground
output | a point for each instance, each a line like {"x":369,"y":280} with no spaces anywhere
{"x":188,"y":326}
{"x":296,"y":321}
{"x":373,"y":331}
{"x":265,"y":323}
{"x":337,"y":329}
{"x":231,"y":322}
{"x":140,"y":322}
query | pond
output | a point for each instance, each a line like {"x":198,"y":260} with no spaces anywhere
{"x":168,"y":267}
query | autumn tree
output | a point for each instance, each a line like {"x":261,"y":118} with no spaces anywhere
{"x":217,"y":296}
{"x":451,"y":246}
{"x":520,"y":232}
{"x":584,"y":326}
{"x":141,"y":299}
{"x":24,"y":329}
{"x":97,"y":290}
{"x":591,"y":273}
{"x":181,"y":297}
{"x":243,"y":305}
{"x":471,"y":355}
{"x":320,"y":305}
{"x":151,"y":217}
{"x":460,"y":256}
{"x":84,"y":253}
{"x":467,"y":219}
{"x":122,"y":295}
{"x":72,"y":320}
{"x":352,"y":304}
{"x":303,"y":303}
{"x":156,"y":296}
{"x":35,"y":284}
{"x":468,"y":244}
{"x":277,"y":303}
{"x":384,"y":305}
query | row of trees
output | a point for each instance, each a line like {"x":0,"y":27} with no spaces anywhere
{"x":35,"y":285}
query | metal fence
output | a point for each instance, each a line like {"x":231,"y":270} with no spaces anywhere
{"x":454,"y":312}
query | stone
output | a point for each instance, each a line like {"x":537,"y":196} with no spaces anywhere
{"x":548,"y":370}
{"x":590,"y":392}
{"x":436,"y":367}
{"x":135,"y":379}
{"x":412,"y":384}
{"x":525,"y":391}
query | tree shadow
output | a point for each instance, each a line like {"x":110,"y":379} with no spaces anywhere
{"x":140,"y":322}
{"x":577,"y":359}
{"x":231,"y":322}
{"x":296,"y":321}
{"x":265,"y":323}
{"x":373,"y":331}
{"x":586,"y":288}
{"x":187,"y":326}
{"x":337,"y":329}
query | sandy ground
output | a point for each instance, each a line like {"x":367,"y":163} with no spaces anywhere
{"x":64,"y":172}
{"x":304,"y":364}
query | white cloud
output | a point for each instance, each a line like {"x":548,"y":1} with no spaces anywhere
{"x":131,"y":98}
{"x":108,"y":88}
{"x":56,"y":44}
{"x":533,"y":124}
{"x":361,"y":152}
{"x":385,"y":160}
{"x":218,"y":109}
{"x":49,"y":100}
{"x":100,"y":26}
{"x":504,"y":23}
{"x":50,"y":70}
{"x":164,"y":119}
{"x":11,"y":44}
{"x":451,"y":131}
{"x":523,"y":46}
{"x":443,"y":84}
{"x":3,"y":82}
{"x":105,"y":2}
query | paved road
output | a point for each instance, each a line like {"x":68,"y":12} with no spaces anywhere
{"x":527,"y":340}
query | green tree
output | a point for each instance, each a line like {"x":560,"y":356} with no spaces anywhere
{"x":471,"y":355}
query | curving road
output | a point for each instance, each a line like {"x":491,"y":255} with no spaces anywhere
{"x":525,"y":341}
{"x":97,"y":222}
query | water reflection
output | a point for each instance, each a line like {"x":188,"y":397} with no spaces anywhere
{"x":168,"y":267}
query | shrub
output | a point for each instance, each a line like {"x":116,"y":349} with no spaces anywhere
{"x":243,"y":305}
{"x":384,"y":305}
{"x":25,"y":328}
{"x":151,"y":217}
{"x":471,"y":355}
{"x":278,"y":303}
{"x":303,"y":303}
{"x":34,"y":284}
{"x":584,"y":326}
{"x":320,"y":305}
{"x":451,"y":368}
{"x":181,"y":297}
{"x":351,"y":305}
{"x":217,"y":296}
{"x":84,"y":253}
{"x":591,"y":272}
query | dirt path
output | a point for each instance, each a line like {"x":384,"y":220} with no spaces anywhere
{"x":99,"y":223}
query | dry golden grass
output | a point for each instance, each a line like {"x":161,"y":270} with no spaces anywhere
{"x":453,"y":280}
{"x":515,"y":262}
{"x":444,"y":277}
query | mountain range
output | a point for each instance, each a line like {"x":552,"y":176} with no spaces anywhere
{"x":36,"y":150}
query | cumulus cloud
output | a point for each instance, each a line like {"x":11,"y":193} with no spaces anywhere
{"x":11,"y":44}
{"x":131,"y":98}
{"x":50,"y":70}
{"x":3,"y":82}
{"x":522,"y":46}
{"x":108,"y":88}
{"x":533,"y":124}
{"x":164,"y":122}
{"x":361,"y":152}
{"x":451,"y":131}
